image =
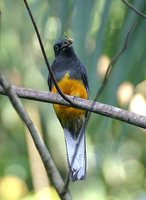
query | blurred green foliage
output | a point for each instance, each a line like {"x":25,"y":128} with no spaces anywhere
{"x":116,"y":151}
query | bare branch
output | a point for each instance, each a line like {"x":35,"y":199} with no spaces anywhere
{"x":113,"y":62}
{"x":134,"y":9}
{"x":43,"y":151}
{"x":98,"y":108}
{"x":45,"y":56}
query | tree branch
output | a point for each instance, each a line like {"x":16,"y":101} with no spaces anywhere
{"x":134,"y":9}
{"x":98,"y":108}
{"x":114,"y":61}
{"x":43,"y":151}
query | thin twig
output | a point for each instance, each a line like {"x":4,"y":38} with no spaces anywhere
{"x":98,"y":108}
{"x":44,"y":54}
{"x":43,"y":151}
{"x":111,"y":66}
{"x":114,"y":60}
{"x":134,"y":9}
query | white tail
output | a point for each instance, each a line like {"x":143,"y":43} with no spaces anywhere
{"x":76,"y":154}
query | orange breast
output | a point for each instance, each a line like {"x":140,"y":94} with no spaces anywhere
{"x":74,"y":88}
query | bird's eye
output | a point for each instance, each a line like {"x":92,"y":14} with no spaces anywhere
{"x":56,"y":48}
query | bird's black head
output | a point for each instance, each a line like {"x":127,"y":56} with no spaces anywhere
{"x":62,"y":46}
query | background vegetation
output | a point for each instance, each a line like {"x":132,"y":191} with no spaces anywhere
{"x":116,"y":151}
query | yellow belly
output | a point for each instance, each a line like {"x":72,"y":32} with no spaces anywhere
{"x":74,"y":88}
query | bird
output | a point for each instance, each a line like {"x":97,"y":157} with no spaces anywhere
{"x":71,"y":77}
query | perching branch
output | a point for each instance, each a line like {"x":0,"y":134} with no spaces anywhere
{"x":43,"y":151}
{"x":98,"y":108}
{"x":134,"y":9}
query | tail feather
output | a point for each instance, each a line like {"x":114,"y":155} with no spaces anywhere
{"x":76,"y":154}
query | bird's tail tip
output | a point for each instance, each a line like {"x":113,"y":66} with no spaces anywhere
{"x":74,"y":176}
{"x":76,"y":154}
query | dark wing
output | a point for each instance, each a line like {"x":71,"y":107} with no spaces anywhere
{"x":85,"y":80}
{"x":50,"y":83}
{"x":84,"y":76}
{"x":56,"y":69}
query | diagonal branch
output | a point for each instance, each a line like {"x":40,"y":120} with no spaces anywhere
{"x":43,"y":151}
{"x":45,"y":56}
{"x":110,"y":68}
{"x":134,"y":9}
{"x":114,"y":61}
{"x":98,"y":108}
